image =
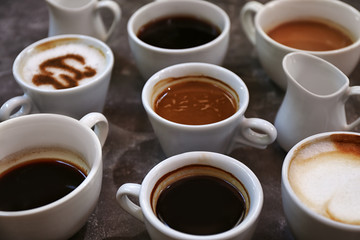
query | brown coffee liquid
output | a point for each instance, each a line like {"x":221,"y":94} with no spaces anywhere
{"x":195,"y":102}
{"x":178,"y":32}
{"x":201,"y":205}
{"x":37,"y":183}
{"x":310,"y":35}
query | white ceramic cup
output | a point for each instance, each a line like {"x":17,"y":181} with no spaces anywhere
{"x":74,"y":102}
{"x":315,"y":99}
{"x":82,"y":17}
{"x":64,"y":217}
{"x":150,"y":59}
{"x":158,"y":230}
{"x":306,"y":223}
{"x":222,"y":136}
{"x":257,"y":19}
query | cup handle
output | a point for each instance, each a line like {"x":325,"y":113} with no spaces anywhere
{"x":115,"y":9}
{"x":255,"y":132}
{"x":247,"y":15}
{"x":22,"y":102}
{"x":355,"y":90}
{"x":122,"y":197}
{"x":99,"y":123}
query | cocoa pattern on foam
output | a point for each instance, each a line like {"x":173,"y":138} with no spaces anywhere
{"x":70,"y":80}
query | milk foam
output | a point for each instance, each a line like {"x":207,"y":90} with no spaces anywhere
{"x":328,"y":181}
{"x":94,"y":58}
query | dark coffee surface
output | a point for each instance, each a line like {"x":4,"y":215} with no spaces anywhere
{"x":132,"y":148}
{"x":178,"y":32}
{"x":37,"y":183}
{"x":201,"y":205}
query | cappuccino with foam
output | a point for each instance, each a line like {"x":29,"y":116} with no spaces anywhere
{"x":62,"y":63}
{"x":325,"y":175}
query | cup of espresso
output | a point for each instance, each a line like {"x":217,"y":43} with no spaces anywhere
{"x":201,"y":107}
{"x":327,"y":29}
{"x":320,"y":186}
{"x":65,"y":74}
{"x":50,"y":174}
{"x":163,"y":33}
{"x":196,"y":195}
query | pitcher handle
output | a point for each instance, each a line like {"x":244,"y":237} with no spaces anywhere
{"x":99,"y":123}
{"x":22,"y":103}
{"x":115,"y":9}
{"x":122,"y":197}
{"x":255,"y":132}
{"x":354,"y":90}
{"x":247,"y":16}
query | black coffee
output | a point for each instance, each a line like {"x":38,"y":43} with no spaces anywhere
{"x":178,"y":32}
{"x":36,"y":183}
{"x":201,"y":205}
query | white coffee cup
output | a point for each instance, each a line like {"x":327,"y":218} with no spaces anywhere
{"x":75,"y":101}
{"x":150,"y":59}
{"x":273,"y":13}
{"x":222,"y":136}
{"x":327,"y":184}
{"x":315,"y":99}
{"x":158,"y":230}
{"x":65,"y":216}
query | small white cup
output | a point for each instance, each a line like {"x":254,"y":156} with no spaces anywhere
{"x":271,"y":53}
{"x":306,"y":223}
{"x":222,"y":136}
{"x":62,"y":218}
{"x":159,"y":230}
{"x":150,"y":59}
{"x":74,"y":102}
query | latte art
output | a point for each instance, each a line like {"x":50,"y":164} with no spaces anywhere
{"x":64,"y":65}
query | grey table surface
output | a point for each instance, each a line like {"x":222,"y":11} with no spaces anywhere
{"x":132,"y":149}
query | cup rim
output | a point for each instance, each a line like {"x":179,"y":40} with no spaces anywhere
{"x":185,"y":159}
{"x":145,"y":8}
{"x":287,"y":187}
{"x":83,"y":185}
{"x":243,"y":104}
{"x":273,"y":4}
{"x":109,"y":58}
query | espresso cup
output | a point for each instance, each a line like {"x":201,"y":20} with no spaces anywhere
{"x":24,"y":136}
{"x":65,"y":74}
{"x":258,"y":19}
{"x":221,"y":136}
{"x":320,"y":190}
{"x":151,"y":58}
{"x":181,"y":167}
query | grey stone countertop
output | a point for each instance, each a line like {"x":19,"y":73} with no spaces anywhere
{"x":132,"y":149}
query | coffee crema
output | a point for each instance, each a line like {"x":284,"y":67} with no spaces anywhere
{"x":196,"y":100}
{"x":38,"y":177}
{"x":325,"y":175}
{"x":62,"y":64}
{"x":200,"y":200}
{"x":311,"y":35}
{"x":178,"y":32}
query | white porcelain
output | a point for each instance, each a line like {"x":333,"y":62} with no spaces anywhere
{"x":222,"y":136}
{"x":74,"y":102}
{"x":150,"y":59}
{"x":159,"y":231}
{"x":82,"y":17}
{"x":315,"y":99}
{"x":257,"y":18}
{"x":64,"y":217}
{"x":306,"y":224}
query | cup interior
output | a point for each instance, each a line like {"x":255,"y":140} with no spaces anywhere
{"x":277,"y":12}
{"x":235,"y":171}
{"x":159,"y":9}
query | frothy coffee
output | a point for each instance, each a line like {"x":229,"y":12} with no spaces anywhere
{"x":61,"y":64}
{"x":325,"y":175}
